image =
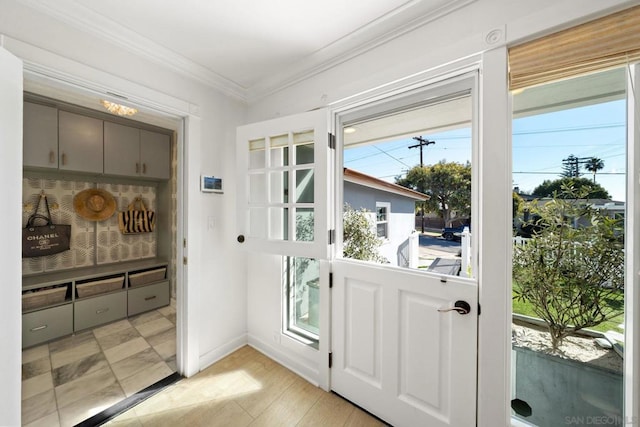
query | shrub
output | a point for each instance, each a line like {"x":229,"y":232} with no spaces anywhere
{"x":572,"y":270}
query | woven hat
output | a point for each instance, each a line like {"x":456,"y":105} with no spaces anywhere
{"x":94,"y":204}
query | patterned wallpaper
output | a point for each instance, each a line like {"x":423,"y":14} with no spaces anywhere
{"x":92,"y":243}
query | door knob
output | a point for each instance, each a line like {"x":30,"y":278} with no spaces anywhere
{"x":462,"y":307}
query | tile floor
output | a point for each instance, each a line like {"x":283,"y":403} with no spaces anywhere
{"x":245,"y":388}
{"x":71,"y":379}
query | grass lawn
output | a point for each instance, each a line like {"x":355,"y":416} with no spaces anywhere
{"x":524,"y":307}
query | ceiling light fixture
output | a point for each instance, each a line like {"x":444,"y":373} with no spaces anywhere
{"x":118,"y":109}
{"x":349,"y":129}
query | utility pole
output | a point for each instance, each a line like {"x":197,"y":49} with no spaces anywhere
{"x":421,"y":143}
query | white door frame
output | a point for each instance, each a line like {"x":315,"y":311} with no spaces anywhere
{"x":188,"y":140}
{"x":494,"y":235}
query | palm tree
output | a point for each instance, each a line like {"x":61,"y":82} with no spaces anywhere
{"x":593,"y":165}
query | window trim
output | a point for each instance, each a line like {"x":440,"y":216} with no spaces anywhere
{"x":387,"y":207}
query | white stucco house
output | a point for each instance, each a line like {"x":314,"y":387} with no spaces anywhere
{"x":392,"y":213}
{"x":390,"y":350}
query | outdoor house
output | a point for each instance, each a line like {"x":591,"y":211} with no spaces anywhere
{"x":246,"y":106}
{"x":392,"y":210}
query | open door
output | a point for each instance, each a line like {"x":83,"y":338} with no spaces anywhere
{"x":10,"y":176}
{"x":283,"y":185}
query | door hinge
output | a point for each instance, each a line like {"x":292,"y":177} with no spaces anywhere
{"x":330,"y":280}
{"x":184,"y":243}
{"x":332,"y":236}
{"x":184,"y":260}
{"x":332,"y":141}
{"x":330,"y":360}
{"x":478,"y":309}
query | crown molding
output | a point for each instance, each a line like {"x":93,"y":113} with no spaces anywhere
{"x":390,"y":26}
{"x":88,"y":21}
{"x":376,"y":33}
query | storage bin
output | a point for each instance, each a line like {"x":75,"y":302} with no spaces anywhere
{"x":43,"y":297}
{"x":149,"y":276}
{"x":97,"y":287}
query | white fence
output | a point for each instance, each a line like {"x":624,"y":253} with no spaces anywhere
{"x":465,"y":250}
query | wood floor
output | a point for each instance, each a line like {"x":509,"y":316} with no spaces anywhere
{"x":245,"y":389}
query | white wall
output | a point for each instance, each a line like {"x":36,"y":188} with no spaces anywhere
{"x":216,"y":290}
{"x":10,"y":174}
{"x":418,"y":55}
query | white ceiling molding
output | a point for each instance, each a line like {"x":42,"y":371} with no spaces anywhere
{"x":387,"y":28}
{"x":377,"y":32}
{"x":88,"y":21}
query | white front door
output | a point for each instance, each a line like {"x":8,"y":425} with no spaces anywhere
{"x":398,"y":351}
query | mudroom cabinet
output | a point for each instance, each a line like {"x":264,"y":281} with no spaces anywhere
{"x":58,"y":304}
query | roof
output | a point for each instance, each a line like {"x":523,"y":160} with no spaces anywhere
{"x":360,"y":178}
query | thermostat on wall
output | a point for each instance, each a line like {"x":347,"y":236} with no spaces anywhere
{"x":210,"y":184}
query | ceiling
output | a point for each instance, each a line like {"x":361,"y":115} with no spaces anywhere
{"x":247,"y":48}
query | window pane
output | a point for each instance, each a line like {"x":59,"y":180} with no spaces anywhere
{"x":279,"y":187}
{"x":304,"y":186}
{"x":256,"y":154}
{"x":304,"y":224}
{"x":279,"y":157}
{"x":278,"y":223}
{"x":569,"y":162}
{"x":303,"y":142}
{"x":407,"y":176}
{"x":304,"y":297}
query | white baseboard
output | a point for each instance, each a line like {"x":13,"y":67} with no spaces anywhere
{"x":308,"y":373}
{"x":218,"y":353}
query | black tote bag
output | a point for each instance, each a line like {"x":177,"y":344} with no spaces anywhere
{"x":45,"y":239}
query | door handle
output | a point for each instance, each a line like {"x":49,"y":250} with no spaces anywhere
{"x":462,"y":307}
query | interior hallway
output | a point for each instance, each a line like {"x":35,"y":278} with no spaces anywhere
{"x":245,"y":388}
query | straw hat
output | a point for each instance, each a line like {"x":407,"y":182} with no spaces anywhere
{"x":94,"y":204}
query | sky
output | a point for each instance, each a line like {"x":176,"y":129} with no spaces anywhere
{"x":540,"y":143}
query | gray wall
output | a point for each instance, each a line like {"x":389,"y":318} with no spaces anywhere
{"x":358,"y":196}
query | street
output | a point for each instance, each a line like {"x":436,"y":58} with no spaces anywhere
{"x":433,"y":246}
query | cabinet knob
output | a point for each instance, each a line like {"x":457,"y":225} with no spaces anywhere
{"x":144,"y":168}
{"x":52,"y":157}
{"x":64,"y":159}
{"x":137,"y":167}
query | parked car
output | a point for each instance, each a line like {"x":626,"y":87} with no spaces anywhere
{"x":453,"y":233}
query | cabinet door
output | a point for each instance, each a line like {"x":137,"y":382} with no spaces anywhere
{"x":121,"y":150}
{"x":155,"y":155}
{"x":45,"y":325}
{"x":40,"y":136}
{"x":80,"y":143}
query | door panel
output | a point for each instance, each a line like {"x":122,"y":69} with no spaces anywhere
{"x":397,"y":355}
{"x":283,"y":185}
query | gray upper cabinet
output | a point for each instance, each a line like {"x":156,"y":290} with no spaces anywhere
{"x":40,"y":133}
{"x":130,"y":151}
{"x":80,"y":143}
{"x":121,"y":150}
{"x":155,"y":155}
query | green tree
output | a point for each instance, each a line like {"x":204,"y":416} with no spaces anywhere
{"x":573,"y":277}
{"x":593,"y":165}
{"x":592,"y":190}
{"x":448,"y":184}
{"x":359,"y":237}
{"x":517,"y":204}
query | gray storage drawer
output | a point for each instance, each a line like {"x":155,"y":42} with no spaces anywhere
{"x":45,"y":325}
{"x":90,"y":312}
{"x":147,"y":298}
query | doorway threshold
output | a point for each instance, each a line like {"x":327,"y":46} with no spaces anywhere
{"x":131,"y":401}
